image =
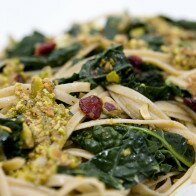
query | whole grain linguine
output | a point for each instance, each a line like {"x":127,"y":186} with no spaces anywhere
{"x":141,"y":73}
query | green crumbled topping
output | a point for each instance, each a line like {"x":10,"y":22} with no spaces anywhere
{"x":36,"y":86}
{"x":44,"y":131}
{"x":113,"y":77}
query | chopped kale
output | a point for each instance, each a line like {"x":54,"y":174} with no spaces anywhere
{"x":74,"y":77}
{"x":26,"y":46}
{"x":152,"y":84}
{"x":74,"y":30}
{"x":98,"y":138}
{"x":137,"y":23}
{"x":33,"y":62}
{"x":148,"y":80}
{"x":96,"y":70}
{"x":154,"y":41}
{"x":111,"y":27}
{"x":56,"y":58}
{"x":59,"y":56}
{"x":126,"y":155}
{"x":10,"y":142}
{"x":25,"y":51}
{"x":186,"y":24}
{"x":114,"y":23}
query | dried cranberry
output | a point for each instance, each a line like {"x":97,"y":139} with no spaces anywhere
{"x":91,"y":106}
{"x":19,"y":78}
{"x":109,"y":107}
{"x":191,"y":103}
{"x":136,"y":61}
{"x":44,"y":48}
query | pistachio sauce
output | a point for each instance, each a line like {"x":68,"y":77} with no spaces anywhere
{"x":44,"y":131}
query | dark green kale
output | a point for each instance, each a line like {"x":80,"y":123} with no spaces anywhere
{"x":186,"y":24}
{"x":138,"y":23}
{"x":59,"y":56}
{"x":2,"y":64}
{"x":151,"y":83}
{"x":128,"y":155}
{"x":94,"y":31}
{"x":74,"y":77}
{"x":99,"y":138}
{"x":74,"y":30}
{"x":150,"y":36}
{"x":10,"y":142}
{"x":33,"y":62}
{"x":154,"y":41}
{"x":26,"y":46}
{"x":146,"y":79}
{"x":165,"y":92}
{"x":112,"y":26}
{"x":56,"y":58}
{"x":93,"y":71}
{"x":25,"y":51}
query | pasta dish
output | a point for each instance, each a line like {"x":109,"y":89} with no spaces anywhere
{"x":106,"y":109}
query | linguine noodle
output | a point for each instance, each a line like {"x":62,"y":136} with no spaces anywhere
{"x":64,"y":99}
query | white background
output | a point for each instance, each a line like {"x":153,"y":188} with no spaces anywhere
{"x":19,"y":17}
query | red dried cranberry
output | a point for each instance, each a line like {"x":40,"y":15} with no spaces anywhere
{"x":19,"y":78}
{"x":109,"y":107}
{"x":44,"y":48}
{"x":191,"y":103}
{"x":136,"y":61}
{"x":91,"y":106}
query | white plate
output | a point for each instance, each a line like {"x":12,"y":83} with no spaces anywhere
{"x":187,"y":189}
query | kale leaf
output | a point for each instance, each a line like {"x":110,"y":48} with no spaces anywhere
{"x":154,"y":41}
{"x":114,"y":26}
{"x":128,"y":155}
{"x":33,"y":62}
{"x":99,"y":138}
{"x":10,"y":142}
{"x":96,"y":73}
{"x":61,"y":55}
{"x":24,"y":50}
{"x":152,"y":85}
{"x":74,"y":77}
{"x":111,"y":27}
{"x":186,"y":24}
{"x":147,"y":79}
{"x":56,"y":58}
{"x":26,"y":46}
{"x":74,"y":30}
